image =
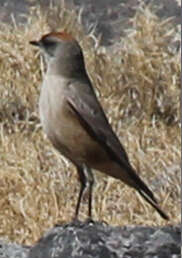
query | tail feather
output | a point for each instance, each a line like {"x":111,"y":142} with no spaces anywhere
{"x":141,"y":186}
{"x":154,"y":204}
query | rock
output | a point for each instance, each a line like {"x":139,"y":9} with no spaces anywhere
{"x":13,"y":250}
{"x":98,"y":240}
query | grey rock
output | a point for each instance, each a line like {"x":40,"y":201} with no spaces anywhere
{"x":88,"y":240}
{"x":13,"y":250}
{"x":98,"y":240}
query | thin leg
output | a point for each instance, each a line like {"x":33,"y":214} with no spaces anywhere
{"x":87,"y":180}
{"x":83,"y":181}
{"x":91,"y":182}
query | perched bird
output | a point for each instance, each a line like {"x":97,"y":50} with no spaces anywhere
{"x":75,"y":122}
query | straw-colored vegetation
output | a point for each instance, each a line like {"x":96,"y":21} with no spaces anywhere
{"x":138,"y":83}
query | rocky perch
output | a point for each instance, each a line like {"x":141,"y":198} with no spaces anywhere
{"x":99,"y":240}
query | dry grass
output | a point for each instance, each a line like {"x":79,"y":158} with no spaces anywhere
{"x":139,"y":86}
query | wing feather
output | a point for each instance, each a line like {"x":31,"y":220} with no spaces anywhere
{"x":91,"y":115}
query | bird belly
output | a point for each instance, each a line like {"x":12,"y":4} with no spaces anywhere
{"x":70,"y":138}
{"x":67,"y":134}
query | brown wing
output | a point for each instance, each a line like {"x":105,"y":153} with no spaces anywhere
{"x":83,"y":102}
{"x":91,"y":115}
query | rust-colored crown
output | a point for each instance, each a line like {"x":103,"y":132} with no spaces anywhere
{"x":62,"y":35}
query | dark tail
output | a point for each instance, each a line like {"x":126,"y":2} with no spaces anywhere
{"x":154,"y":204}
{"x":147,"y":194}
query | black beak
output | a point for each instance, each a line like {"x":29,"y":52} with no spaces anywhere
{"x":35,"y":43}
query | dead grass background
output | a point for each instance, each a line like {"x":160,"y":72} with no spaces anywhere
{"x":138,"y":83}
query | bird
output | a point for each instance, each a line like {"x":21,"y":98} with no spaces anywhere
{"x":75,"y":122}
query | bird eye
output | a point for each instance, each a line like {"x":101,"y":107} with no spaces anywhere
{"x":49,"y":47}
{"x":49,"y":44}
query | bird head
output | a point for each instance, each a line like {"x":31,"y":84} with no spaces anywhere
{"x":56,"y":44}
{"x":62,"y":52}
